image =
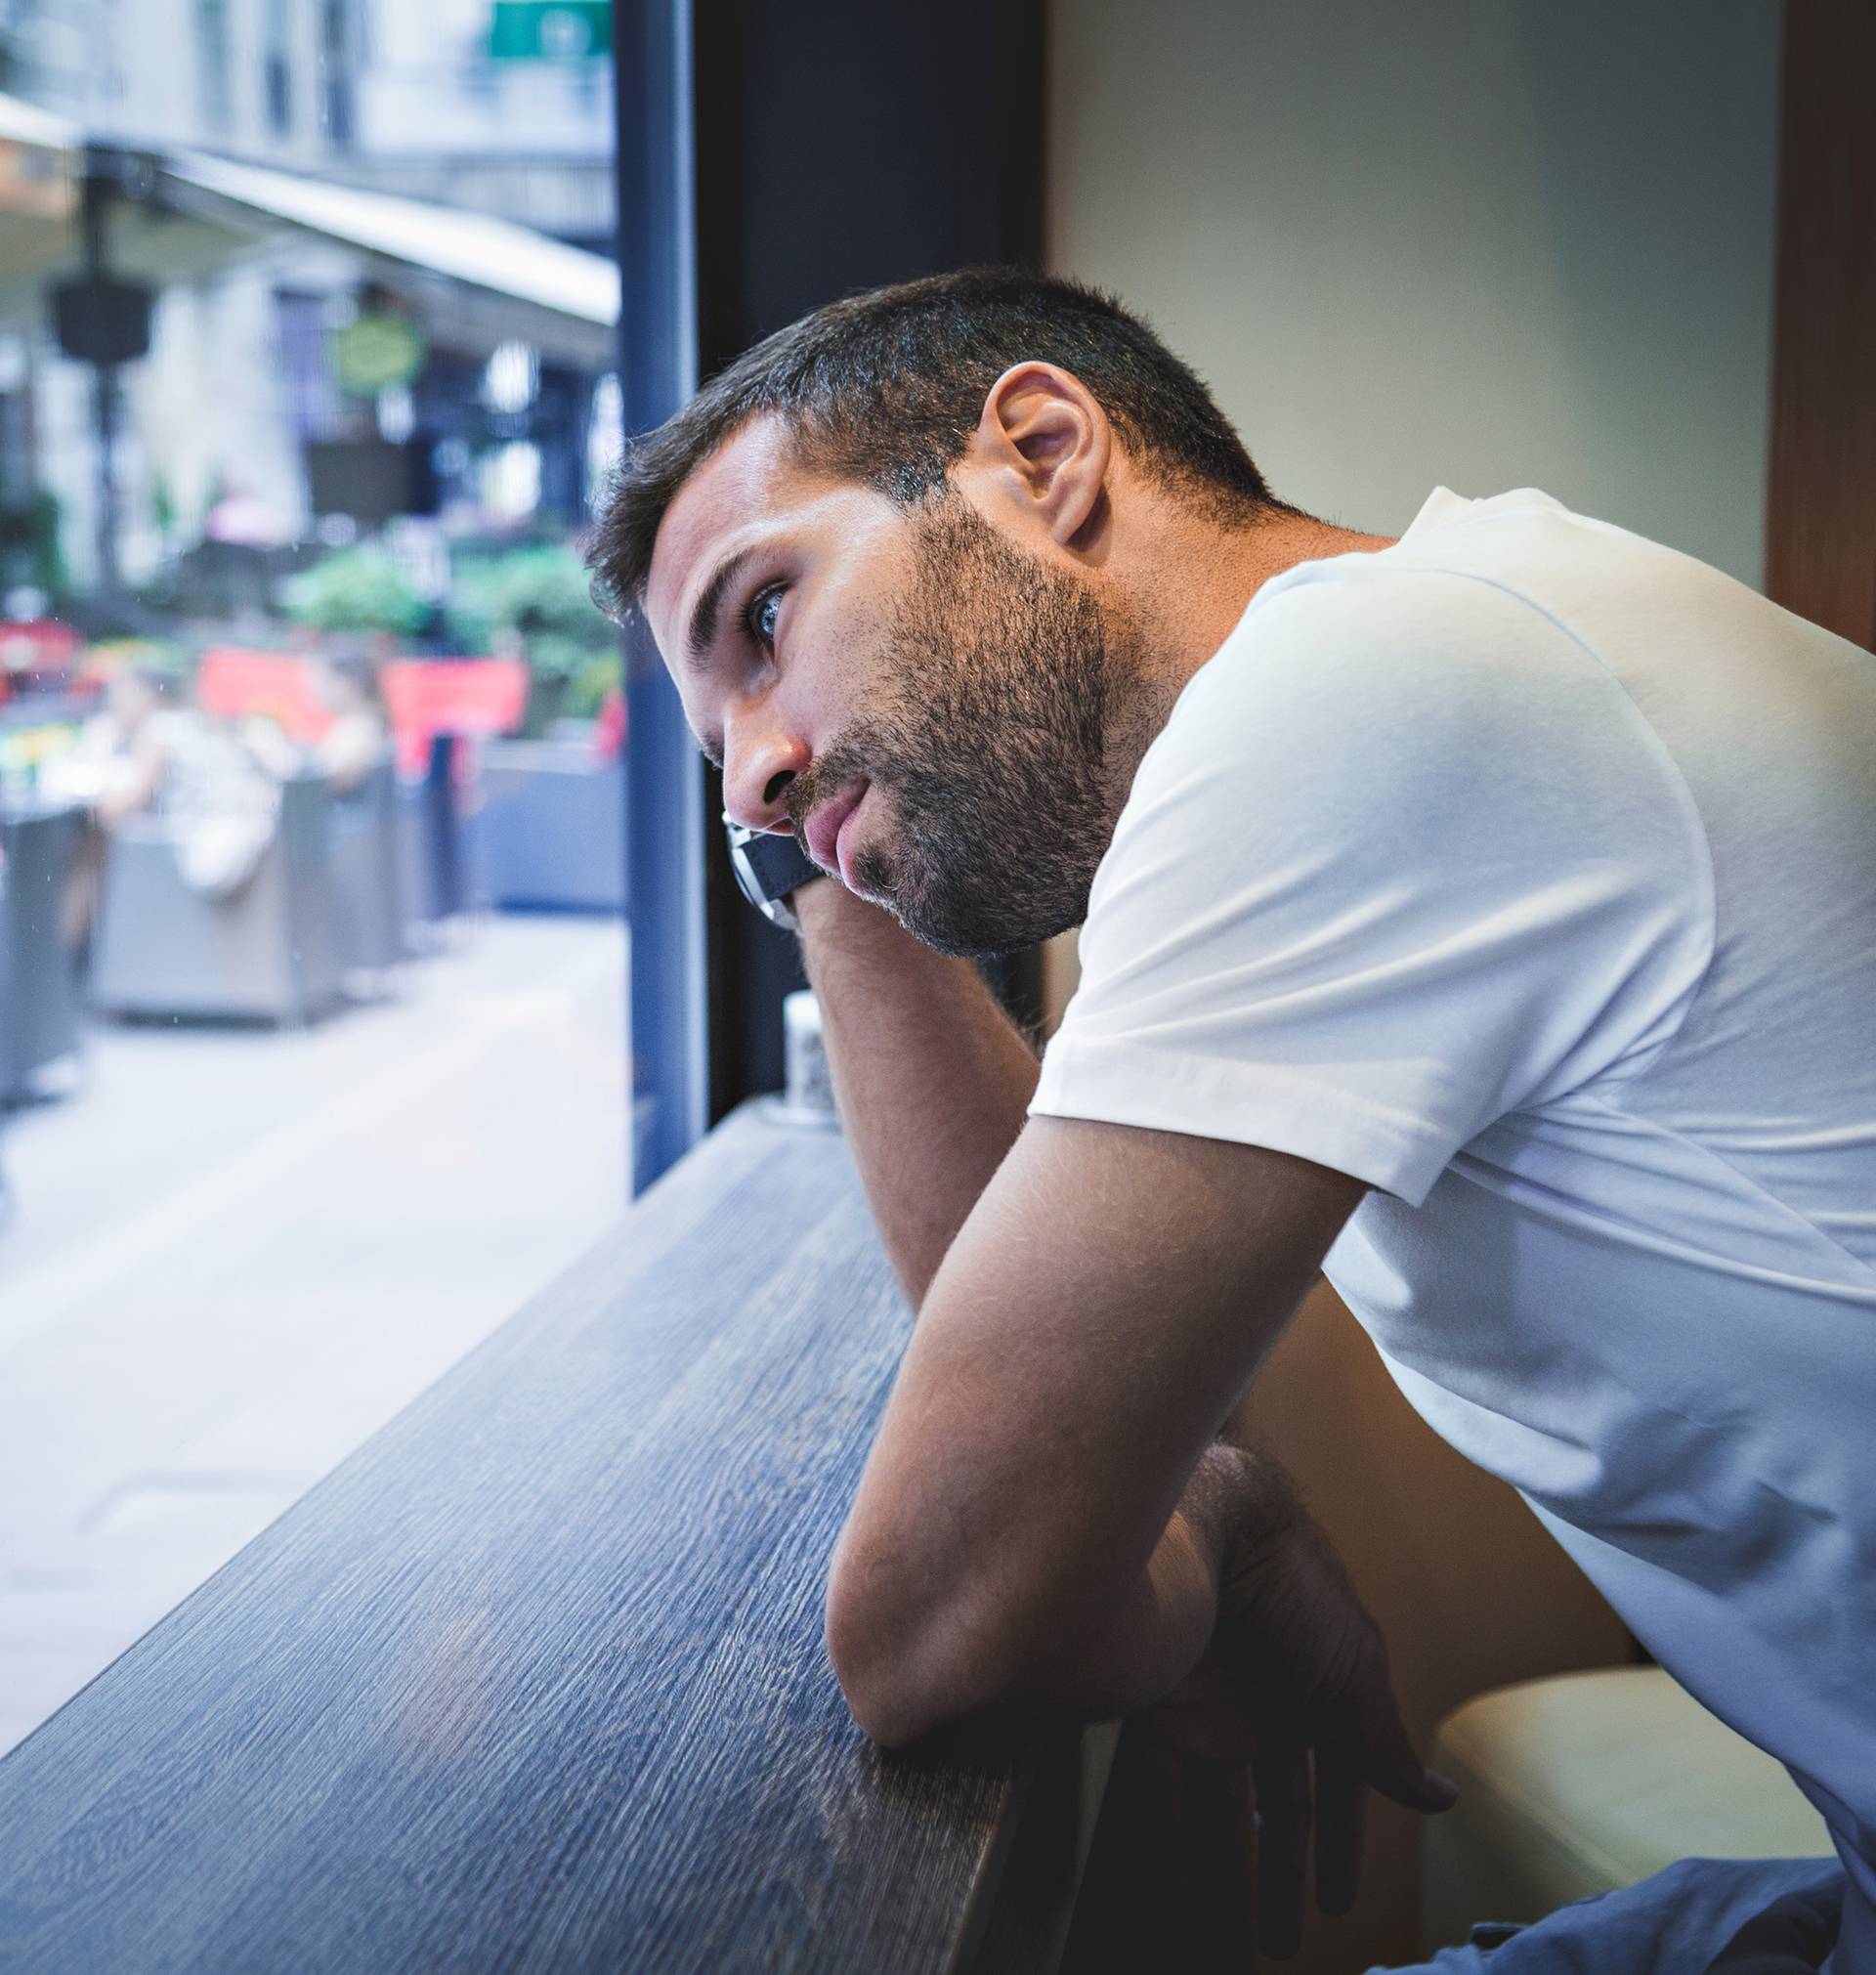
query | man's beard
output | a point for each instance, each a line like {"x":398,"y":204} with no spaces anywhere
{"x":992,"y":745}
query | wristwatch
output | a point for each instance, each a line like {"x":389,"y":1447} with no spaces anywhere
{"x":769,"y":867}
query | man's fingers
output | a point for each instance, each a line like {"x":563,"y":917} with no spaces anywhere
{"x":1283,"y":1848}
{"x":1137,"y":1887}
{"x":1391,"y":1764}
{"x":1220,"y":1834}
{"x":1341,"y":1824}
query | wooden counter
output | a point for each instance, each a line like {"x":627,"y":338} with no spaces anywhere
{"x":536,"y":1679}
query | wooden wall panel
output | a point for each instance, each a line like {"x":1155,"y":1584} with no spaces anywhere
{"x":1821,"y":508}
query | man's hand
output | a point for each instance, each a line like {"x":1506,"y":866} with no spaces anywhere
{"x":1285,"y":1722}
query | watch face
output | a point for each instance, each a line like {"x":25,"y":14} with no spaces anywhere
{"x":746,"y":880}
{"x":768,"y":867}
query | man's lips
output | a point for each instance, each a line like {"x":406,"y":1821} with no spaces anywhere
{"x":823,"y":829}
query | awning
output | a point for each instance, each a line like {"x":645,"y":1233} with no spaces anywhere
{"x":41,"y":164}
{"x":26,"y":123}
{"x":519,"y":283}
{"x":487,"y":279}
{"x":38,"y":198}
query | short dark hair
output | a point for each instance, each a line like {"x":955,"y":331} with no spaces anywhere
{"x":886,"y":387}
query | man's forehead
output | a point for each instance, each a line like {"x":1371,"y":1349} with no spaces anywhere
{"x":749,"y":485}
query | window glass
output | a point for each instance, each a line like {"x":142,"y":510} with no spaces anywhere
{"x":312,"y":1052}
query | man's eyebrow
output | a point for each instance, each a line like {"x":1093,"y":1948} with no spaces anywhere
{"x":703,"y":632}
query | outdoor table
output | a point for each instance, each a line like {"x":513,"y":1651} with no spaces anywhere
{"x":536,"y":1679}
{"x":39,"y":986}
{"x":47,"y":709}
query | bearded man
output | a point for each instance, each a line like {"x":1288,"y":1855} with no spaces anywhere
{"x":1485,"y":919}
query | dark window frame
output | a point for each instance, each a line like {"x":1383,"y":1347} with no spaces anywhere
{"x":735,"y":216}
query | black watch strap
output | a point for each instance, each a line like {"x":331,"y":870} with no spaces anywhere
{"x":769,"y":867}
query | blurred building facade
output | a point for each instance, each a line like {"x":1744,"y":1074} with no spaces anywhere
{"x":247,"y":400}
{"x":504,"y":106}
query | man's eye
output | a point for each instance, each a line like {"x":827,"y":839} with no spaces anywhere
{"x":764,"y":609}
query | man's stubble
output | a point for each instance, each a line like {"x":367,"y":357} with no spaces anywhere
{"x":993,"y":742}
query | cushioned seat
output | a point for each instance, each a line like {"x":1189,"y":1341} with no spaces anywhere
{"x":1588,"y":1782}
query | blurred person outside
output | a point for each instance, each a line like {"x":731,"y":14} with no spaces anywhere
{"x":122,"y":755}
{"x":355,"y":735}
{"x":212,"y":785}
{"x":1403,"y":961}
{"x":346,"y":683}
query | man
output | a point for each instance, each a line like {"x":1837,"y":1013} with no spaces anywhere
{"x":1485,"y":919}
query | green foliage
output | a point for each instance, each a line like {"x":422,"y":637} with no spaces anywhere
{"x":538,"y":599}
{"x":45,"y":552}
{"x":162,"y":506}
{"x":358,"y":590}
{"x":588,"y":688}
{"x":161,"y":656}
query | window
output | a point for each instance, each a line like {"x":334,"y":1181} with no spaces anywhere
{"x":213,"y":81}
{"x":277,"y":68}
{"x":336,"y":95}
{"x":312,"y":951}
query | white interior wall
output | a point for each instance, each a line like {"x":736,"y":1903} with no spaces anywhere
{"x":1487,"y":243}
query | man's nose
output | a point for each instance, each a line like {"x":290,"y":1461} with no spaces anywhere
{"x":756,"y":774}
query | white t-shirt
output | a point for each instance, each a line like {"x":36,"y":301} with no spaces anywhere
{"x":1526,"y":870}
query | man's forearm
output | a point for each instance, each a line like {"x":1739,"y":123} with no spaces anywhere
{"x":1124,"y":1649}
{"x":933,"y":1078}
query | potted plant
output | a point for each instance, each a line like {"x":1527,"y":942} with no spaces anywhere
{"x":535,"y":603}
{"x":356,"y":591}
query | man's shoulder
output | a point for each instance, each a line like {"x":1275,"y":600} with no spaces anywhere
{"x":1356,"y":641}
{"x":1380,"y":707}
{"x":1437,"y":589}
{"x":1460,"y":565}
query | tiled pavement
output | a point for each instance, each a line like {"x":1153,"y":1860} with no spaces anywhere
{"x":234,"y":1253}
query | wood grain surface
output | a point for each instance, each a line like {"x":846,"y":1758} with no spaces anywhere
{"x":536,"y":1679}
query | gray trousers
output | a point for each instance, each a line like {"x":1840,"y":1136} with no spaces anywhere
{"x":1704,"y":1916}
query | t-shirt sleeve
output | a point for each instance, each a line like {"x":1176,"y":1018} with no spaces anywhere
{"x":1406,"y":858}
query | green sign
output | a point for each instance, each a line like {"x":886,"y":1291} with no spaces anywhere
{"x":372,"y":353}
{"x":551,"y":31}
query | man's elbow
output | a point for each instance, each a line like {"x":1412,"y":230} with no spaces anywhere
{"x":907,"y":1670}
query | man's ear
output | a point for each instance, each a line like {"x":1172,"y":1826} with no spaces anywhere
{"x":1043,"y":445}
